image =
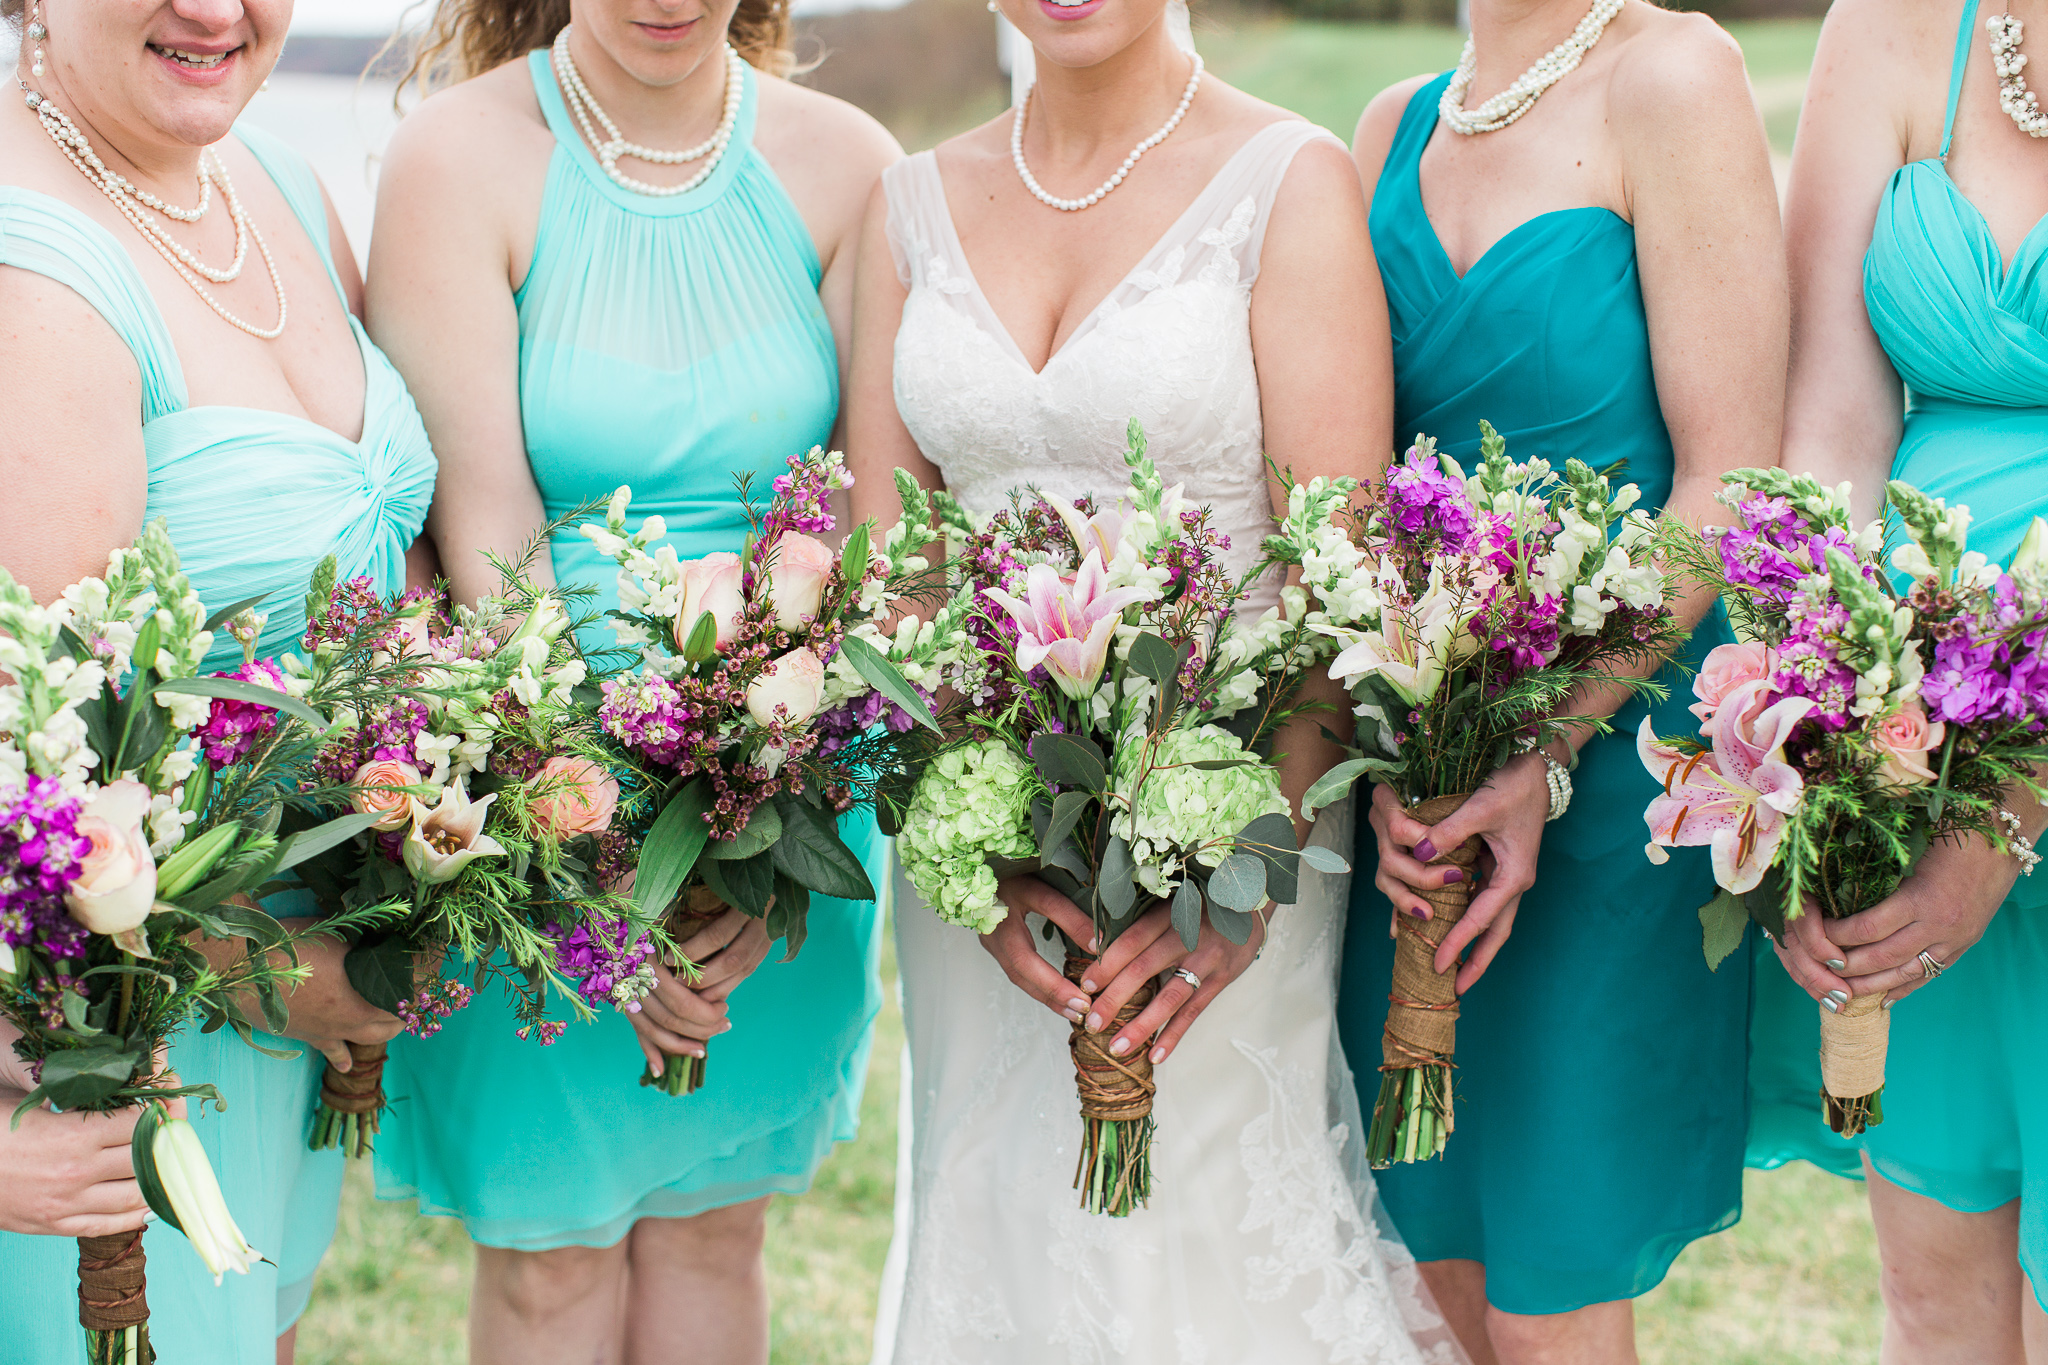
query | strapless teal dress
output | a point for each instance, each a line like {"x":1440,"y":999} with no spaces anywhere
{"x":254,"y":500}
{"x":669,"y":344}
{"x":1600,"y":1064}
{"x":1966,"y":1080}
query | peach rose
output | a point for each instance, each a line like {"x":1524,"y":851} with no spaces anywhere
{"x":573,"y":796}
{"x":711,"y":584}
{"x":1726,"y":668}
{"x":116,"y":881}
{"x":795,"y":682}
{"x":798,"y":568}
{"x":1904,"y":738}
{"x":394,"y":806}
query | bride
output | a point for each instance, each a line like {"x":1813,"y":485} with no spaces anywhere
{"x":1136,"y":240}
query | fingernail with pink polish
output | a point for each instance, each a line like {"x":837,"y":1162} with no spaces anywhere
{"x":1119,"y":1047}
{"x":1088,"y":985}
{"x":1095,"y":1023}
{"x":1425,"y":850}
{"x":1158,"y":1055}
{"x":1073,"y":1016}
{"x":1077,"y":1006}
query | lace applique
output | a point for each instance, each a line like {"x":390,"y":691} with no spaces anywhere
{"x":1166,"y":276}
{"x":1222,"y":267}
{"x":938,"y":271}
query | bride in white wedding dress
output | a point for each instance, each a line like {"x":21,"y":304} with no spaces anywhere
{"x":1220,"y":289}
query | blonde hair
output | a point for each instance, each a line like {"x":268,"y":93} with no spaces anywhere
{"x":470,"y":37}
{"x":12,"y":10}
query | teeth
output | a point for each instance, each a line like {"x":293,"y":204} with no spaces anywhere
{"x":198,"y":61}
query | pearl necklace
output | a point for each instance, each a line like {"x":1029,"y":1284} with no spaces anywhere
{"x":131,"y":201}
{"x":1095,"y":196}
{"x":1520,"y":97}
{"x":2013,"y":96}
{"x":613,"y":144}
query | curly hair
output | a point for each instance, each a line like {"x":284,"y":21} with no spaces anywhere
{"x":470,"y":37}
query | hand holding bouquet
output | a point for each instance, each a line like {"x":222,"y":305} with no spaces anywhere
{"x":136,"y":816}
{"x":1853,"y":725}
{"x":1470,"y":610}
{"x":764,"y":704}
{"x":481,"y":794}
{"x":1120,"y":715}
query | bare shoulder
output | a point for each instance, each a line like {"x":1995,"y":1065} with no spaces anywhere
{"x":792,"y":114}
{"x":1322,"y":172}
{"x":1889,"y":34}
{"x":1382,"y":117}
{"x":470,"y":135}
{"x":1674,"y":70}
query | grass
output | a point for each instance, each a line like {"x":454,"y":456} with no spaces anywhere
{"x":1795,"y":1281}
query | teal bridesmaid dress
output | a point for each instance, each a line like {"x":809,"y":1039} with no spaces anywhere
{"x":670,"y":344}
{"x":1966,"y":1080}
{"x":253,"y":500}
{"x":1600,"y":1104}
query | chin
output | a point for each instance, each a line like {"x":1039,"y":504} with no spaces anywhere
{"x":1077,"y":37}
{"x":196,"y":118}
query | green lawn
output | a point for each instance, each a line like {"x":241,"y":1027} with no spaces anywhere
{"x":1795,"y":1281}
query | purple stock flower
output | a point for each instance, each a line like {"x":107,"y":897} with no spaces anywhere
{"x":233,"y":727}
{"x":650,"y":714}
{"x":610,"y":963}
{"x":40,"y":849}
{"x":1421,"y":498}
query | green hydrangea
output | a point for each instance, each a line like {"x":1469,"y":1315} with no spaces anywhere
{"x":971,"y":805}
{"x":1180,"y":807}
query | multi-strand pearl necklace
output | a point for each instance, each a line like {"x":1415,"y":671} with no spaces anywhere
{"x":2007,"y":61}
{"x":613,"y":144}
{"x":1519,"y":98}
{"x":1094,"y":197}
{"x":131,"y":202}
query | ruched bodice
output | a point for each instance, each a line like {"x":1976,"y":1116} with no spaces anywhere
{"x":253,"y":501}
{"x":1585,"y":1200}
{"x":670,"y":344}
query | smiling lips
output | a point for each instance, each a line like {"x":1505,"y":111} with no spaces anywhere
{"x":192,"y":61}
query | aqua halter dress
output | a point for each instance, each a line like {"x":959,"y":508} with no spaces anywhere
{"x":670,"y":344}
{"x":1600,"y":1064}
{"x":1966,"y":1080}
{"x":254,"y":500}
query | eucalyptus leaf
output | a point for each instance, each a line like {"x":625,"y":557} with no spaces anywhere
{"x":1234,"y":925}
{"x":1119,"y":893}
{"x":1325,"y":860}
{"x":238,"y":689}
{"x":1332,"y":787}
{"x":1153,"y":658}
{"x":1187,"y":912}
{"x":1239,"y":883}
{"x":1271,"y":838}
{"x":1067,"y":810}
{"x":884,"y":678}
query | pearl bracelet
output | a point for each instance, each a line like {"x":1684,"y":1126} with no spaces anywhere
{"x":1558,"y":779}
{"x":2022,"y":847}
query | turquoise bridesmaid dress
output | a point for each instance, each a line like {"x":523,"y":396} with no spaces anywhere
{"x":254,"y":500}
{"x":670,"y":344}
{"x":1600,"y":1108}
{"x":1966,"y":1081}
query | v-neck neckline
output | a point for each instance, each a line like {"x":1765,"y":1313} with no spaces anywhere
{"x":1176,"y":230}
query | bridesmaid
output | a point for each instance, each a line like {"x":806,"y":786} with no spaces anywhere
{"x":268,"y":436}
{"x":573,"y":322}
{"x":1590,"y":260}
{"x":1914,"y":226}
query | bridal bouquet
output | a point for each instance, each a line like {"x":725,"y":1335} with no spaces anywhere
{"x":139,"y":809}
{"x":483,"y":793}
{"x":1470,"y":609}
{"x":765,"y":703}
{"x":1120,"y":715}
{"x":1854,"y":725}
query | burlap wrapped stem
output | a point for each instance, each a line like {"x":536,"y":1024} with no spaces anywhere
{"x":1413,"y":1116}
{"x":112,"y":1305}
{"x":1114,"y":1173}
{"x":352,"y":1102}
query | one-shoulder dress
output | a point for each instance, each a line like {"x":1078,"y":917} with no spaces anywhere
{"x":253,"y":500}
{"x":1966,"y":1079}
{"x":1600,"y":1098}
{"x":670,"y":344}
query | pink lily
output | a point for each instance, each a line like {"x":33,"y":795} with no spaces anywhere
{"x":1734,"y":798}
{"x":1067,"y":624}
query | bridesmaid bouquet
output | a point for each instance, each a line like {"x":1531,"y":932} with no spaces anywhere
{"x":1857,"y":722}
{"x":1470,"y":609}
{"x":482,"y":794}
{"x":1120,"y":715}
{"x":139,"y":809}
{"x":765,"y":703}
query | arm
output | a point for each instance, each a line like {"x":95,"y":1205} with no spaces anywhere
{"x":878,"y":444}
{"x":1326,"y":388}
{"x":1697,"y":183}
{"x":440,"y":304}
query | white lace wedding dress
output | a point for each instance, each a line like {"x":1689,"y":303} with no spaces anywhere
{"x":1261,"y":1245}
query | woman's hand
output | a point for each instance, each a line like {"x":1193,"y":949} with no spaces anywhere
{"x":1942,"y":910}
{"x":726,"y":952}
{"x":675,"y":1019}
{"x":1152,"y":946}
{"x":325,"y":1011}
{"x":1508,"y":812}
{"x":1811,"y":959}
{"x":1015,"y":950}
{"x":68,"y":1175}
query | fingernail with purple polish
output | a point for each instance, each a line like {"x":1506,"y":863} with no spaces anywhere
{"x":1453,"y":875}
{"x":1425,"y":850}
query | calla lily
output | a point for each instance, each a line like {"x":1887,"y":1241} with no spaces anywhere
{"x":189,"y":1183}
{"x":1067,"y":624}
{"x":447,"y":838}
{"x":1735,"y":797}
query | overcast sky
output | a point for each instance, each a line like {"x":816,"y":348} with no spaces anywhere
{"x":376,"y":18}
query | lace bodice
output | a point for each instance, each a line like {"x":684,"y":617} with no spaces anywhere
{"x":1170,"y":346}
